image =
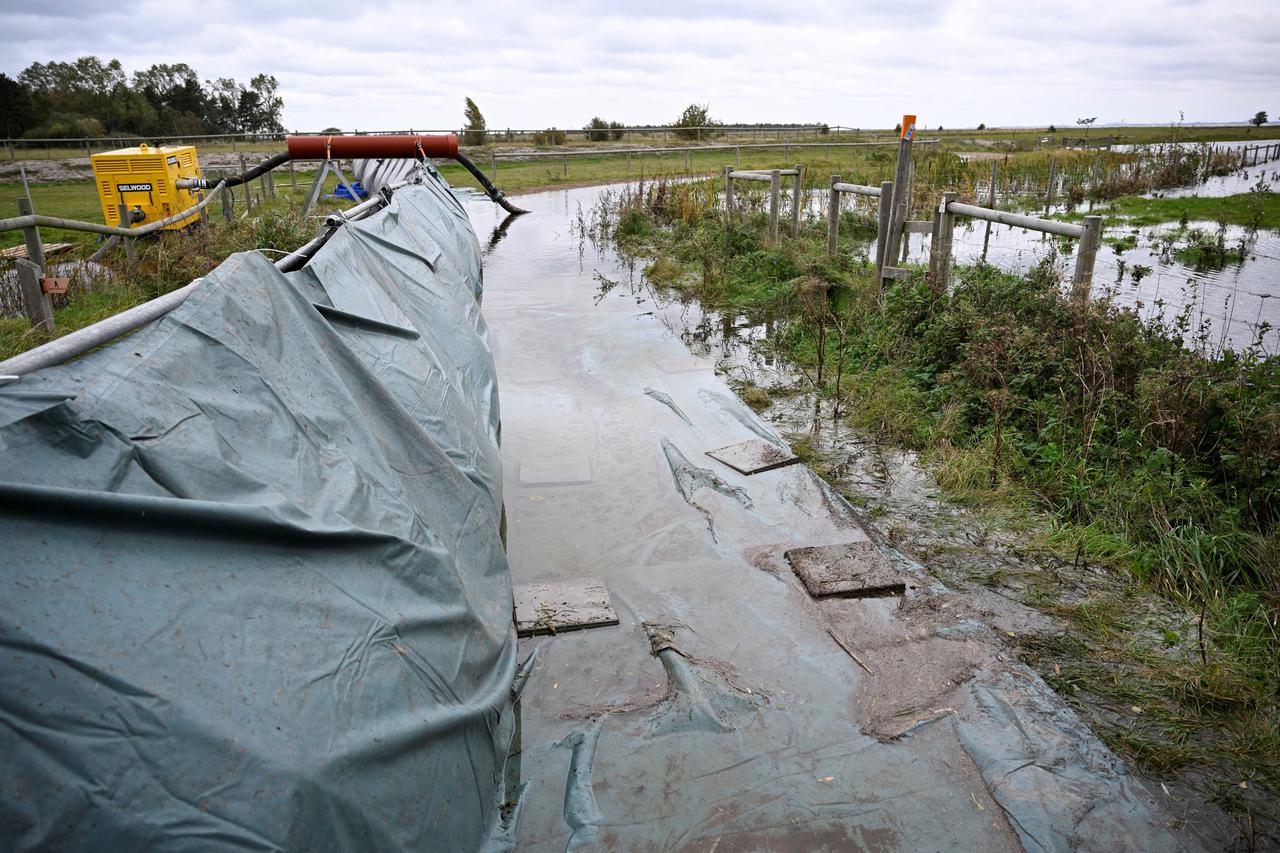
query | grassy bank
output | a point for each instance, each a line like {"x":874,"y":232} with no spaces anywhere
{"x":1251,"y":210}
{"x":79,"y":200}
{"x":1113,"y":443}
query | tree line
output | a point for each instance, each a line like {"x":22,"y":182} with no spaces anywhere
{"x":90,"y":98}
{"x":694,"y":123}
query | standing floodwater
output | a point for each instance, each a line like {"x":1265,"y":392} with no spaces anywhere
{"x":731,"y":708}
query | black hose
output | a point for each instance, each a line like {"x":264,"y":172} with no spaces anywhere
{"x":236,"y":180}
{"x":490,"y":190}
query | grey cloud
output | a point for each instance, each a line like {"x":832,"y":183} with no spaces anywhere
{"x":954,"y":62}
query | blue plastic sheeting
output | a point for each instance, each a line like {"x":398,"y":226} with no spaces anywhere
{"x":342,"y":192}
{"x":254,"y":594}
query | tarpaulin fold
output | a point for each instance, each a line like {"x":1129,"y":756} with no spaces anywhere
{"x":254,"y":594}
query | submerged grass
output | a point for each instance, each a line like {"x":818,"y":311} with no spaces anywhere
{"x":1113,"y":443}
{"x":1260,"y":209}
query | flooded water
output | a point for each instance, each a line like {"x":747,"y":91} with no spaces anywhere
{"x":629,"y":387}
{"x":1235,"y":305}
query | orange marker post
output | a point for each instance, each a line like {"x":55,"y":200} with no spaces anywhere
{"x":898,"y":209}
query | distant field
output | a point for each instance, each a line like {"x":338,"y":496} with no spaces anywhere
{"x":76,"y":199}
{"x":961,"y":137}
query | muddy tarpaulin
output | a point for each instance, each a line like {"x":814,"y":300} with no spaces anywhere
{"x":254,"y":594}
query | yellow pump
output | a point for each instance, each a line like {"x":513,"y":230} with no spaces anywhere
{"x":145,"y":178}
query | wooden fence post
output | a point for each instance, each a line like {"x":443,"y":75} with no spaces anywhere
{"x":833,"y":216}
{"x":797,"y":189}
{"x":1086,"y":254}
{"x":728,"y":189}
{"x":944,"y":224}
{"x":31,"y":235}
{"x":991,"y":203}
{"x":909,"y":201}
{"x":897,"y":210}
{"x":126,"y":221}
{"x":228,"y":199}
{"x":1053,"y":175}
{"x":248,"y":192}
{"x":775,"y":194}
{"x":35,"y":302}
{"x":293,"y":177}
{"x":884,"y":224}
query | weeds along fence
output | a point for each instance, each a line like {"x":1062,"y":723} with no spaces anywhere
{"x":773,"y":177}
{"x":84,"y":339}
{"x":949,"y":187}
{"x":33,"y":283}
{"x":1030,"y":180}
{"x":1070,"y":178}
{"x":890,"y":233}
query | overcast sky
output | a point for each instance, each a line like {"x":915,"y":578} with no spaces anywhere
{"x":384,"y":65}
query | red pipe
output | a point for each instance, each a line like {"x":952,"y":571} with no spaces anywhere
{"x":370,"y":147}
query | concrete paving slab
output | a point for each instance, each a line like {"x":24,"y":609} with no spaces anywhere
{"x":850,"y":568}
{"x":553,"y":608}
{"x":753,"y":456}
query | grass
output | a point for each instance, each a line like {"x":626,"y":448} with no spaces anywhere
{"x":68,"y":199}
{"x":1118,"y":135}
{"x":548,"y":173}
{"x":1023,"y":172}
{"x":164,"y":262}
{"x":1101,"y":436}
{"x":1251,"y":210}
{"x":961,"y":137}
{"x":79,"y":200}
{"x":1022,"y":177}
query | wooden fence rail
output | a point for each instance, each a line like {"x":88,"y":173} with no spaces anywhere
{"x":773,"y":177}
{"x":1089,"y":234}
